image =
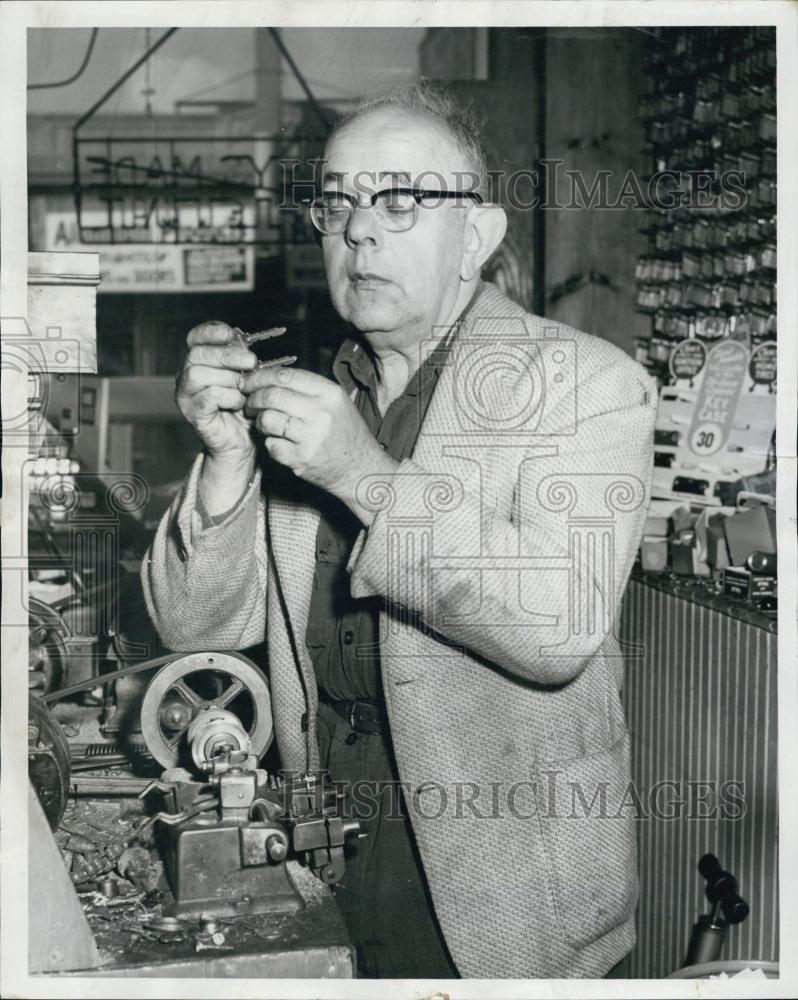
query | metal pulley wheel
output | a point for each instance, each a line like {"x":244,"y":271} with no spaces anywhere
{"x":48,"y":760}
{"x":48,"y":661}
{"x":190,"y":685}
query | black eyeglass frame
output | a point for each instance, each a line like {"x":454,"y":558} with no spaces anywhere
{"x":418,"y":195}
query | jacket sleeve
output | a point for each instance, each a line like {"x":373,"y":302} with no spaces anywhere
{"x":532,"y":587}
{"x":205,"y":587}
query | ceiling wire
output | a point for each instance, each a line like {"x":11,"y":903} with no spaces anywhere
{"x":71,"y":79}
{"x":122,"y":79}
{"x":285,"y":74}
{"x":148,"y":90}
{"x":289,"y":59}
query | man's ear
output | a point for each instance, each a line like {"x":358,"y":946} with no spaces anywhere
{"x":485,"y":229}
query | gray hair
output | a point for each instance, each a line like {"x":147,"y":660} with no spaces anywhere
{"x":425,"y":98}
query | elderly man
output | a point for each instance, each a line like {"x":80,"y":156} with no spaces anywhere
{"x":434,"y":547}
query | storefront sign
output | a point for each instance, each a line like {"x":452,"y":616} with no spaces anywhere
{"x":158,"y":267}
{"x":185,"y":189}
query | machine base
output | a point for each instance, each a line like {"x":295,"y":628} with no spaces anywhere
{"x":208,"y":878}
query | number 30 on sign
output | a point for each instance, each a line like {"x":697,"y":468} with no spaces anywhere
{"x":706,"y":439}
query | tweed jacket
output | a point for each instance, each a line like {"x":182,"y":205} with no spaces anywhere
{"x":501,"y":548}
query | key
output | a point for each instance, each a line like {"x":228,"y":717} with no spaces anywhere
{"x":286,"y":359}
{"x":246,"y":340}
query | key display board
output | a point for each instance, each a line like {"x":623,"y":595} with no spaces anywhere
{"x":708,"y":278}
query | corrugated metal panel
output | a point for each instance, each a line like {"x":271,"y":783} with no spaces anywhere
{"x":701,"y":705}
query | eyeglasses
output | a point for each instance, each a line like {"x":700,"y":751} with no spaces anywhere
{"x":396,"y":209}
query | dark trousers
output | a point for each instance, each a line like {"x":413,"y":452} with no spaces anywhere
{"x":384,"y":897}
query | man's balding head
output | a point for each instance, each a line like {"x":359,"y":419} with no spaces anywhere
{"x":426,"y":104}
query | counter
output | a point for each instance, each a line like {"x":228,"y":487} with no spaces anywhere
{"x":700,"y":700}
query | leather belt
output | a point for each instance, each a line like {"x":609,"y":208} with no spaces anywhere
{"x":363,"y":716}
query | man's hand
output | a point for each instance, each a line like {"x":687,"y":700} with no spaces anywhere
{"x":209,"y":389}
{"x":210,"y":398}
{"x":312,"y":427}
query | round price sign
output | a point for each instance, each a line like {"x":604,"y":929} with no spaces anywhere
{"x":762,"y":366}
{"x":687,"y":359}
{"x":706,"y":439}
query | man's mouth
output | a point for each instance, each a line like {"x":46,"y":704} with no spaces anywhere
{"x":363,"y":280}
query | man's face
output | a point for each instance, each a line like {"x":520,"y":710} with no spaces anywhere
{"x":395,"y":286}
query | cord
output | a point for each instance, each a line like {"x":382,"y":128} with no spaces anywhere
{"x":71,"y":79}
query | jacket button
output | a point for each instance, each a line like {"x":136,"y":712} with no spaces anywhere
{"x":349,"y":635}
{"x":303,"y":722}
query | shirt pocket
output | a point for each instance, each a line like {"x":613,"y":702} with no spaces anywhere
{"x":587,"y":818}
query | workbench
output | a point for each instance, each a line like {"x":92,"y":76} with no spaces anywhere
{"x":310,"y":944}
{"x":307,"y":944}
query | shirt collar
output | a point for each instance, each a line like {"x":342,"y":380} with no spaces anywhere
{"x":353,"y":367}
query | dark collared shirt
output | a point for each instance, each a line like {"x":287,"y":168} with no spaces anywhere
{"x":343,"y":633}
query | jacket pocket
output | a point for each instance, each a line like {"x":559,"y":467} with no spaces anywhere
{"x":586,"y":812}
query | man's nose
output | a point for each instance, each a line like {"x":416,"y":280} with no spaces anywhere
{"x":363,"y":226}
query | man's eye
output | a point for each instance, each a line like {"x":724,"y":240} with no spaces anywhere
{"x":336,"y":207}
{"x":397,"y":202}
